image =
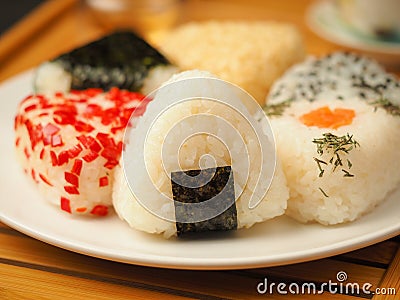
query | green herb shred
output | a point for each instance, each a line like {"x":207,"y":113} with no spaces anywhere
{"x":277,"y":109}
{"x":323,"y":193}
{"x":337,"y":146}
{"x":387,"y":105}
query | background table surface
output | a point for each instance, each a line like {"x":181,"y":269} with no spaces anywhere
{"x":30,"y":269}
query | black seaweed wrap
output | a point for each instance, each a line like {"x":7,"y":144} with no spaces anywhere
{"x":121,"y":60}
{"x":212,"y":182}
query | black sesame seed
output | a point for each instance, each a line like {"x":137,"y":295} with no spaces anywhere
{"x":362,"y":95}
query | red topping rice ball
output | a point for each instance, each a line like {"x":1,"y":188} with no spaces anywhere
{"x":69,"y":144}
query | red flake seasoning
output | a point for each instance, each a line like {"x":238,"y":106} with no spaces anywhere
{"x":75,"y":151}
{"x":17,"y":141}
{"x":45,"y":104}
{"x":65,"y":204}
{"x":103,"y":181}
{"x":50,"y":130}
{"x":89,"y":143}
{"x":110,"y":115}
{"x":77,"y":167}
{"x":27,"y":98}
{"x":114,"y":130}
{"x":73,"y":190}
{"x":63,"y":158}
{"x":95,"y":146}
{"x":49,"y":136}
{"x":41,"y":98}
{"x":99,"y":210}
{"x":126,"y":115}
{"x":26,"y":152}
{"x":54,"y":160}
{"x":82,"y":100}
{"x":41,"y":155}
{"x":93,"y":110}
{"x":56,"y":141}
{"x":105,"y":140}
{"x":111,"y":153}
{"x":120,"y":147}
{"x":117,"y":95}
{"x":44,"y":179}
{"x":91,"y":92}
{"x":140,"y":109}
{"x":91,"y":156}
{"x":110,"y":164}
{"x":30,"y":108}
{"x":65,"y":114}
{"x":35,"y":133}
{"x":72,"y":179}
{"x":58,"y":94}
{"x":43,"y":114}
{"x":114,"y":94}
{"x":47,"y":140}
{"x":17,"y":121}
{"x":33,"y":174}
{"x":83,"y":127}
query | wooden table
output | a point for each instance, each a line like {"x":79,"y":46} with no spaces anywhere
{"x":30,"y":269}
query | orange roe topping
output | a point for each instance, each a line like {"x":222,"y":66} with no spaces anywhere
{"x":81,"y":209}
{"x":324,"y":117}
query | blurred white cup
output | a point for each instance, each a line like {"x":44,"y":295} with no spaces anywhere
{"x":150,"y":18}
{"x":376,"y":18}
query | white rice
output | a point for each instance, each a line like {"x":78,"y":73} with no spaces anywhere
{"x":190,"y":157}
{"x":52,"y":77}
{"x":249,"y":54}
{"x":376,"y":162}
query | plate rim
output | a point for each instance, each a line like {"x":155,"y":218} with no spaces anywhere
{"x":249,"y":262}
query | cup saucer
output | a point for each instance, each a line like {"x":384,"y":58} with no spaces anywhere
{"x":323,"y":18}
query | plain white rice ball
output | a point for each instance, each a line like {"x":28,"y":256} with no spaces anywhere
{"x":250,"y":54}
{"x":169,"y":130}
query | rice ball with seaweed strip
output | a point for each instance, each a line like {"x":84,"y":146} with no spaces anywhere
{"x":340,"y":157}
{"x":121,"y":59}
{"x":184,"y":138}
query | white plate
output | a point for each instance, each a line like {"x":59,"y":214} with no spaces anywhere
{"x":323,"y":18}
{"x":277,"y":242}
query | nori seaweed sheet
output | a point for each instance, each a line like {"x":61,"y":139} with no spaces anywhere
{"x":121,"y":59}
{"x":195,"y":186}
